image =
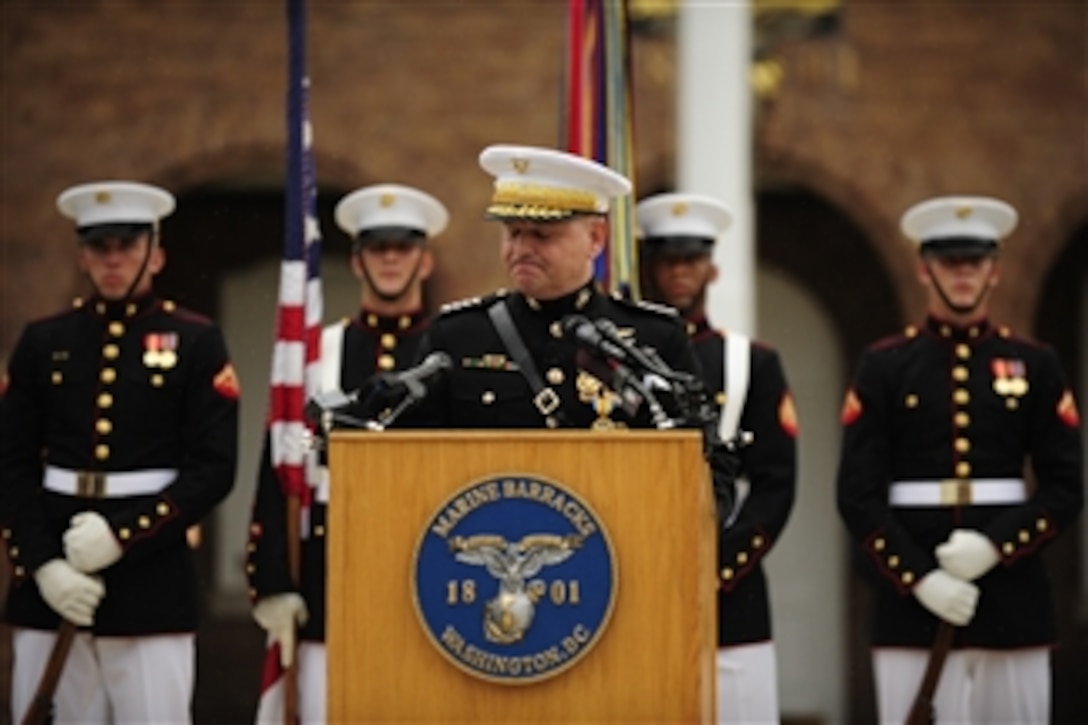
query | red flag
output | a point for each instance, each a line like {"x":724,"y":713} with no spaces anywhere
{"x":597,"y":119}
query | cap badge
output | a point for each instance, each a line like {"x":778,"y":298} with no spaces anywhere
{"x":102,"y":197}
{"x":387,"y":200}
{"x":679,"y":209}
{"x":963,"y":212}
{"x":520,"y":165}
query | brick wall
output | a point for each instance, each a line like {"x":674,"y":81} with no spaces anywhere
{"x":906,"y":100}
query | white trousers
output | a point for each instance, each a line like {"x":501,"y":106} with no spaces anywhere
{"x":108,"y":679}
{"x":976,"y":686}
{"x":748,"y":684}
{"x":311,"y":689}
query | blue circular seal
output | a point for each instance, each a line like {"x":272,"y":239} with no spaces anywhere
{"x":515,"y":579}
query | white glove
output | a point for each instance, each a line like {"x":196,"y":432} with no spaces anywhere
{"x":946,"y":596}
{"x":89,"y":543}
{"x":72,"y":594}
{"x":279,"y":615}
{"x":967,"y":554}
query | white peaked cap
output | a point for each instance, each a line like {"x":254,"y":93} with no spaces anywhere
{"x":962,"y":217}
{"x":683,"y":215}
{"x":391,"y":205}
{"x":545,"y":184}
{"x":115,"y":202}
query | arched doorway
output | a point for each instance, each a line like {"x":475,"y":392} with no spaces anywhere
{"x":1061,"y":320}
{"x":823,"y":294}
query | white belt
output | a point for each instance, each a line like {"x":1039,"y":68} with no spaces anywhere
{"x":101,"y":484}
{"x":958,"y":492}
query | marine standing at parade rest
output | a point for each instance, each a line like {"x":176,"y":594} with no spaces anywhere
{"x":938,"y":425}
{"x":679,"y":231}
{"x":119,"y":432}
{"x":390,"y":226}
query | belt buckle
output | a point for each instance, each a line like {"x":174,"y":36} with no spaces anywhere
{"x":91,"y":484}
{"x":546,"y":401}
{"x":956,"y":492}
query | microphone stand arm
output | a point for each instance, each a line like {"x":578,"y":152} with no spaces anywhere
{"x":661,"y":419}
{"x":416,"y":392}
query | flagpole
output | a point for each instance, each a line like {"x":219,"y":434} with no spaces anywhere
{"x":296,"y":20}
{"x":299,"y":334}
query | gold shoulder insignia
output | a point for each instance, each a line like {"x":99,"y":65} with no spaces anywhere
{"x":470,"y":303}
{"x":458,"y":305}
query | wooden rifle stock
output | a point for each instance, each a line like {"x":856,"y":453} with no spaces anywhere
{"x":41,"y":706}
{"x":921,"y":710}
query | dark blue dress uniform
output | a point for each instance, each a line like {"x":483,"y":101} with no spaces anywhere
{"x":371,"y":344}
{"x":128,"y":409}
{"x":486,"y":388}
{"x":769,"y":463}
{"x":949,"y":416}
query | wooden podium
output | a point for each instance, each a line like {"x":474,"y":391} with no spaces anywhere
{"x":649,"y":490}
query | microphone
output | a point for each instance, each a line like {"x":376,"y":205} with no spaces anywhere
{"x":649,"y":362}
{"x":583,"y":332}
{"x":415,"y":379}
{"x":603,"y":337}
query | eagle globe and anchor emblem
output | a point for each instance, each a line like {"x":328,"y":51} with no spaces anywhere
{"x":515,"y":579}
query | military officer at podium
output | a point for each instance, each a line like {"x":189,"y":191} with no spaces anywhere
{"x":119,"y":432}
{"x":514,"y":366}
{"x":679,"y":232}
{"x":515,"y":362}
{"x":938,"y":425}
{"x":390,"y":226}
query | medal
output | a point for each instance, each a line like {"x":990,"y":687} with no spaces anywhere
{"x":1010,"y":377}
{"x":151,"y":350}
{"x":161,"y":350}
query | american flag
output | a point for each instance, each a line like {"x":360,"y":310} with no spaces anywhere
{"x":296,"y":354}
{"x":597,"y":119}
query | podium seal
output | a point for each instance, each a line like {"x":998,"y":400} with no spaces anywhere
{"x":514,"y":579}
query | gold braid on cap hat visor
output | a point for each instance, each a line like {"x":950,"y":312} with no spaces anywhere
{"x":515,"y":199}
